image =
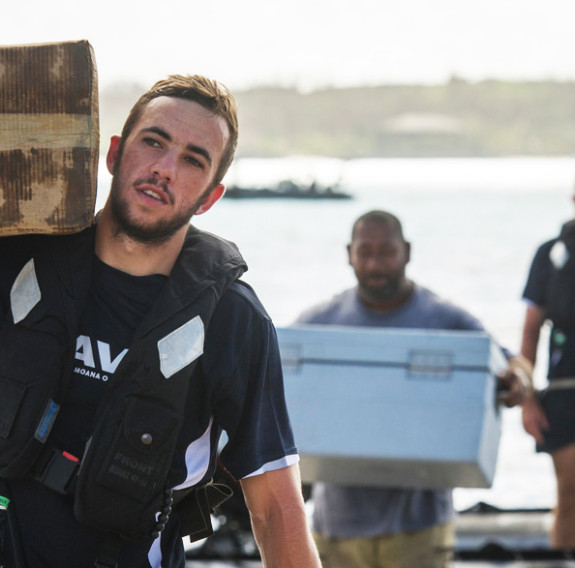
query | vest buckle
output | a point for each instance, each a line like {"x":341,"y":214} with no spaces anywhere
{"x":59,"y":471}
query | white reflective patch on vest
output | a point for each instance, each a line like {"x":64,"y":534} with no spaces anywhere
{"x":181,"y":347}
{"x":25,"y":292}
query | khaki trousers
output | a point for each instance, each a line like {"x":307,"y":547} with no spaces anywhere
{"x":427,"y":548}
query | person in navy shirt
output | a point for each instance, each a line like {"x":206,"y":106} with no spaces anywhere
{"x":167,"y":166}
{"x":548,"y":415}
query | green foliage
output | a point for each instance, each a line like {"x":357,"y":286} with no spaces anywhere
{"x":490,"y":118}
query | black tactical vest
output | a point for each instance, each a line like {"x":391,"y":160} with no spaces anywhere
{"x":120,"y":485}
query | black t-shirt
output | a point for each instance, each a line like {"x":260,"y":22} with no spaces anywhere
{"x":116,"y":304}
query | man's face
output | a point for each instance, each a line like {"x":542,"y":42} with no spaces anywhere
{"x":378,"y":257}
{"x":166,"y":167}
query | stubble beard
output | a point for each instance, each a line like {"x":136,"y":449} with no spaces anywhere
{"x":380,"y":294}
{"x":154,"y":234}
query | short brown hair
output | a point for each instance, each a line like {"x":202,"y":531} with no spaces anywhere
{"x":209,"y":93}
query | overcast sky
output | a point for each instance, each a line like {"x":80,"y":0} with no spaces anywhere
{"x":308,"y":43}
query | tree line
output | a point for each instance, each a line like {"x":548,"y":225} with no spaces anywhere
{"x":456,"y":119}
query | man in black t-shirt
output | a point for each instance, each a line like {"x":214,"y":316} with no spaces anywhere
{"x":167,"y":166}
{"x":549,"y":415}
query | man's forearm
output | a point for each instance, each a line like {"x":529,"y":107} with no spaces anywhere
{"x":279,"y":521}
{"x":285,"y":541}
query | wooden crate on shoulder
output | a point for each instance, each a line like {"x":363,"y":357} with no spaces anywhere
{"x":49,"y":138}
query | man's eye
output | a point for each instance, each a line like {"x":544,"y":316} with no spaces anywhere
{"x":193,"y":162}
{"x":151,"y":142}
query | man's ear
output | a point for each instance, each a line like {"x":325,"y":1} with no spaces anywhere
{"x":112,"y":154}
{"x":210,"y":199}
{"x":349,"y":254}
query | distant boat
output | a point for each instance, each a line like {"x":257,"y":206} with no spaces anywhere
{"x":286,"y":189}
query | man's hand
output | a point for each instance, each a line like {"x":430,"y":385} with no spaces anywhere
{"x":515,"y":383}
{"x":534,"y":419}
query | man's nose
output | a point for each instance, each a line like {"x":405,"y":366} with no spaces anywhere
{"x":165,"y":167}
{"x":374,"y":262}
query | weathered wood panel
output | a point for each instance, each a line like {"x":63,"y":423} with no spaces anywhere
{"x":49,"y":137}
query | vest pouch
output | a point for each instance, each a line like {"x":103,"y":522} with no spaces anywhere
{"x":195,"y":515}
{"x":121,"y":482}
{"x":27,"y":406}
{"x":195,"y":507}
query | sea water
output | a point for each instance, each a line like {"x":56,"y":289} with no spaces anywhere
{"x":473,"y":224}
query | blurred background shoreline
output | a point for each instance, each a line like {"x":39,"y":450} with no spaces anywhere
{"x":458,"y":118}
